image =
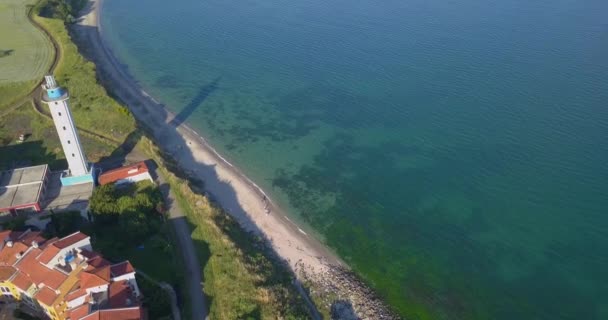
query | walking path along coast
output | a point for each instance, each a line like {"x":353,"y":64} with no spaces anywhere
{"x":237,"y":194}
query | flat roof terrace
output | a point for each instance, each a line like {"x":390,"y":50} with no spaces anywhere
{"x":59,"y":197}
{"x":20,"y":188}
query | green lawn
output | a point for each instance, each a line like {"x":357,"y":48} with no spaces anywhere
{"x":25,"y":52}
{"x":90,"y":104}
{"x":42,"y":143}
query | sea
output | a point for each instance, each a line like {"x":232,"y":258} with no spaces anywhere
{"x":453,"y":153}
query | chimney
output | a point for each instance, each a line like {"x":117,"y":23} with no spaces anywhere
{"x":34,"y":244}
{"x":9,"y":243}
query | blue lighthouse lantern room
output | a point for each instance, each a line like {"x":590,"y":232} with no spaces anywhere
{"x":54,"y":93}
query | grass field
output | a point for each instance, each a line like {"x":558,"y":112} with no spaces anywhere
{"x":42,"y":144}
{"x":25,"y":52}
{"x":90,"y":104}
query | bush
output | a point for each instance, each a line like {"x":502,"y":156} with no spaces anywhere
{"x":16,"y":224}
{"x":132,"y":208}
{"x":65,"y":223}
{"x":156,"y":299}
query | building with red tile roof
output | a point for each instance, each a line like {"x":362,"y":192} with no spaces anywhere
{"x":64,"y":279}
{"x":128,"y":174}
{"x":122,"y":268}
{"x":46,"y":296}
{"x":133,"y":313}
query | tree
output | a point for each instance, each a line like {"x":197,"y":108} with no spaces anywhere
{"x":103,"y":200}
{"x":65,"y":223}
{"x":133,"y":208}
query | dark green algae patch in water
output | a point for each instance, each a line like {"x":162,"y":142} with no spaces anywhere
{"x":454,"y":154}
{"x":421,"y":224}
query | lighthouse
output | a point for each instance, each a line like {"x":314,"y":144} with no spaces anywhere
{"x":79,"y":170}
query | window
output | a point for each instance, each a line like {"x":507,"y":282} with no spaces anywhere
{"x":56,"y":103}
{"x":64,"y":128}
{"x":68,"y":141}
{"x":6,"y":292}
{"x":59,"y":113}
{"x":73,"y":155}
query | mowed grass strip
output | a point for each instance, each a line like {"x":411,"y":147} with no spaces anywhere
{"x":25,"y":52}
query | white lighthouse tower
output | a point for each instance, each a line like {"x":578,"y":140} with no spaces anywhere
{"x":79,"y":171}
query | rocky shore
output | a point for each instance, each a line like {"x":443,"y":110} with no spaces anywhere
{"x":344,"y":293}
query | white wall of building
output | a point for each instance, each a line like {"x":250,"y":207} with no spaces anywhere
{"x":102,"y":288}
{"x":69,"y":137}
{"x":126,"y":276}
{"x":136,"y":178}
{"x":77,"y":302}
{"x":59,"y":257}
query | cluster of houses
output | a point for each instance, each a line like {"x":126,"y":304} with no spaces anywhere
{"x":63,"y":278}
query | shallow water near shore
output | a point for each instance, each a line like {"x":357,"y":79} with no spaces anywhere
{"x":454,"y":154}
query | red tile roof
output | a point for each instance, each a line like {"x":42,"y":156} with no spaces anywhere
{"x":22,"y":281}
{"x":116,"y":314}
{"x":97,"y":262}
{"x":28,"y":237}
{"x":103,"y":272}
{"x":6,"y":273}
{"x":37,"y":272}
{"x":123,"y":173}
{"x":70,"y":240}
{"x":31,"y":269}
{"x":89,"y":254}
{"x":48,"y":253}
{"x":48,"y":242}
{"x":90,"y":280}
{"x":8,"y":255}
{"x":122,"y":268}
{"x":46,"y":296}
{"x":78,"y":312}
{"x":75,"y":294}
{"x":119,"y":293}
{"x":52,"y":249}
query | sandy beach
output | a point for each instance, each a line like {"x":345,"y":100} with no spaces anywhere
{"x":224,"y":183}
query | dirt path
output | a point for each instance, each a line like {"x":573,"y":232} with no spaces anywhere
{"x":189,"y":257}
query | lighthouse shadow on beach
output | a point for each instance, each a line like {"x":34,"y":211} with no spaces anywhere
{"x":177,"y":144}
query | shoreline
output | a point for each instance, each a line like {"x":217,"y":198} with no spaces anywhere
{"x":198,"y":146}
{"x":308,"y":258}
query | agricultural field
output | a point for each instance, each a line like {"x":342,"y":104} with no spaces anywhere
{"x":25,"y":52}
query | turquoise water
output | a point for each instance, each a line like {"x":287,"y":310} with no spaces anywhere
{"x":453,"y":153}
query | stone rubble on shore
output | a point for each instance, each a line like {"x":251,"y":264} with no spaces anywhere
{"x":344,"y":294}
